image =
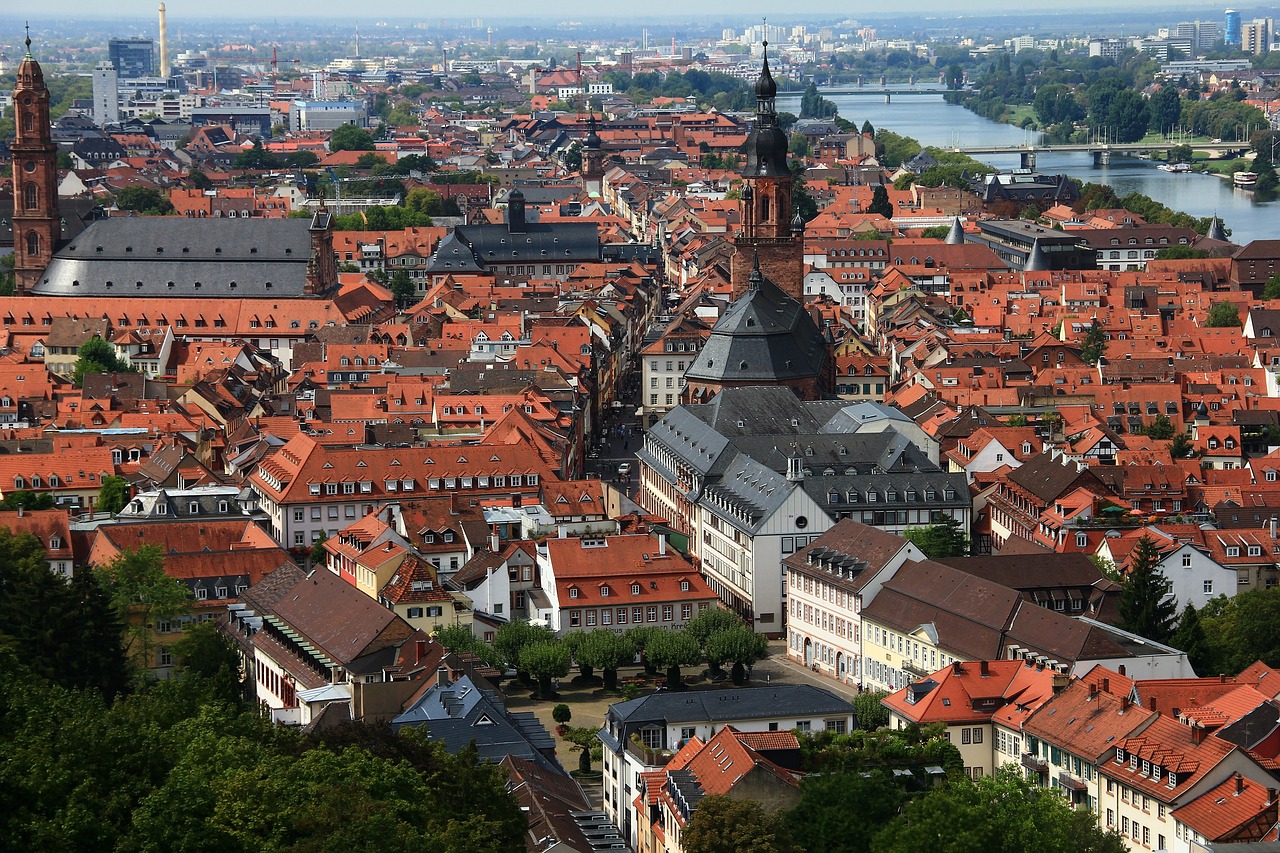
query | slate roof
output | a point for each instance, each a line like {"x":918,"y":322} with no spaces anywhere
{"x":765,"y":336}
{"x":199,"y":257}
{"x":745,"y":703}
{"x":543,"y":243}
{"x":457,"y":714}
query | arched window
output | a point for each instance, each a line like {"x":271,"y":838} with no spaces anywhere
{"x":32,"y":195}
{"x":33,"y":243}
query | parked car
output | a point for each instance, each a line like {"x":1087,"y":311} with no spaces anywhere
{"x":624,"y":470}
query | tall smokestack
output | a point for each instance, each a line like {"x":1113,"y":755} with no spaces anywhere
{"x":164,"y":45}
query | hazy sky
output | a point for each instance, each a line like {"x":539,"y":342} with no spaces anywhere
{"x":570,"y":9}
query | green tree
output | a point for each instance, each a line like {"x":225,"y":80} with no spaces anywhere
{"x":1181,"y":446}
{"x":60,"y":631}
{"x":723,"y":824}
{"x":561,"y":713}
{"x":712,"y":621}
{"x":639,"y":637}
{"x":511,"y":639}
{"x":842,"y":812}
{"x":1241,"y":630}
{"x":403,"y":288}
{"x":1271,"y":290}
{"x":545,"y":661}
{"x":255,"y":158}
{"x":207,"y":653}
{"x":945,"y":539}
{"x":1003,"y":813}
{"x":671,"y":650}
{"x":147,"y":201}
{"x":319,"y":557}
{"x":96,"y":356}
{"x":1166,"y":110}
{"x":1145,"y":606}
{"x":880,"y":203}
{"x":1222,"y":314}
{"x":1178,"y":253}
{"x":869,"y":712}
{"x":740,"y":646}
{"x":141,"y":595}
{"x":1094,"y":345}
{"x":113,"y":495}
{"x":1190,"y":637}
{"x":867,"y":129}
{"x":1161,"y":428}
{"x":348,"y":137}
{"x":606,"y":651}
{"x":301,"y":159}
{"x":27,"y":499}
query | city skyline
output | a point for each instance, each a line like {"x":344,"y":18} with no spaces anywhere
{"x":129,"y":10}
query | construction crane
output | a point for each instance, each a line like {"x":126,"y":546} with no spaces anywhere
{"x":274,"y":62}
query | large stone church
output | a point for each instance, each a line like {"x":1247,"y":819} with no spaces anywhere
{"x":137,"y":256}
{"x":766,"y":337}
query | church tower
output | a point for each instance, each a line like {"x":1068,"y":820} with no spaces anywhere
{"x":36,"y":227}
{"x":770,"y":232}
{"x":592,"y":160}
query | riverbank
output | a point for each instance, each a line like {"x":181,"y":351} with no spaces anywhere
{"x":933,"y":122}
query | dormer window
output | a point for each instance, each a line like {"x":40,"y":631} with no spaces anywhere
{"x":55,"y":542}
{"x":635,"y":589}
{"x":573,"y":592}
{"x":604,"y":591}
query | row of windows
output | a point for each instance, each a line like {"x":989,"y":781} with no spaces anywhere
{"x":408,"y":484}
{"x":605,"y":591}
{"x":637,"y":615}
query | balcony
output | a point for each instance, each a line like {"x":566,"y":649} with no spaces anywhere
{"x":1070,"y":782}
{"x":649,"y":756}
{"x":1034,"y":763}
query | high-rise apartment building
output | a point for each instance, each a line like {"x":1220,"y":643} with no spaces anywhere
{"x":106,"y":94}
{"x":132,"y":57}
{"x":1231,"y":34}
{"x":1255,"y":36}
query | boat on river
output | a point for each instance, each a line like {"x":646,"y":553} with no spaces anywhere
{"x":1244,"y":180}
{"x":1174,"y":167}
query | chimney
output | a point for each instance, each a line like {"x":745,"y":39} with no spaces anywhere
{"x":422,"y":650}
{"x":1124,"y":702}
{"x":1239,"y":784}
{"x":164,"y":45}
{"x":984,"y":668}
{"x":1197,"y":734}
{"x":442,"y":676}
{"x":956,"y":668}
{"x":1272,"y":795}
{"x":1273,"y":527}
{"x":1093,"y":690}
{"x":1106,"y":685}
{"x":662,"y":544}
{"x":19,"y":511}
{"x":1151,"y":703}
{"x":560,"y":532}
{"x":494,"y":544}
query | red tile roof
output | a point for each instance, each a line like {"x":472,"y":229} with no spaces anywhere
{"x":1238,"y":809}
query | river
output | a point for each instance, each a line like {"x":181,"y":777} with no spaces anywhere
{"x":932,"y":121}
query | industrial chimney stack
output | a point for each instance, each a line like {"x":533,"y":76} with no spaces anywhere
{"x":164,"y":45}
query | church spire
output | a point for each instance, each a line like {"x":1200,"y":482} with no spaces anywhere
{"x":37,"y":225}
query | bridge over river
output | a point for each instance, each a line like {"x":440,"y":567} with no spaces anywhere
{"x":1101,"y":151}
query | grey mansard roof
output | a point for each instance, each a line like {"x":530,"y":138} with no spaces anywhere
{"x":177,"y":256}
{"x":737,"y":449}
{"x":538,"y":243}
{"x":765,"y":336}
